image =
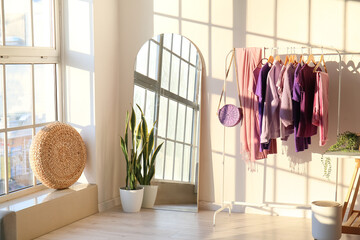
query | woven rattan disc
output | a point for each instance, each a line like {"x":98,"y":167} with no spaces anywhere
{"x":57,"y":155}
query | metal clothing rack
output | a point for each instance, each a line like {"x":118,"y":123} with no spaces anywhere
{"x":229,"y":204}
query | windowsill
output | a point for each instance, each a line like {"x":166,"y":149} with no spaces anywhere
{"x":170,"y":181}
{"x":33,"y":196}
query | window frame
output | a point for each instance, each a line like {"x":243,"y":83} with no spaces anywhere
{"x":147,"y":83}
{"x":31,"y":55}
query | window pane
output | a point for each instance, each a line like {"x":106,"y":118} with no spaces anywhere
{"x":165,"y":70}
{"x":159,"y":163}
{"x":150,"y":109}
{"x":139,"y":99}
{"x":185,"y":51}
{"x":193,"y":54}
{"x":186,"y":171}
{"x":156,"y":38}
{"x":1,"y":30}
{"x":18,"y":95}
{"x":142,"y":59}
{"x":176,"y":47}
{"x":178,"y":162}
{"x":162,"y":116}
{"x":43,"y":23}
{"x":17,"y":23}
{"x":183,"y":79}
{"x":20,"y":175}
{"x":44,"y":80}
{"x":189,"y":124}
{"x":172,"y":120}
{"x":2,"y":120}
{"x":175,"y":67}
{"x":2,"y":168}
{"x":169,"y":161}
{"x":153,"y":60}
{"x":180,"y":123}
{"x":167,"y":40}
{"x":191,"y":88}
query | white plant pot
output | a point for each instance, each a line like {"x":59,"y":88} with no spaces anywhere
{"x":131,"y":199}
{"x":150,"y":192}
{"x":326,"y":220}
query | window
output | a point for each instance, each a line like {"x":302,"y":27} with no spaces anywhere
{"x":167,"y":77}
{"x":29,"y":58}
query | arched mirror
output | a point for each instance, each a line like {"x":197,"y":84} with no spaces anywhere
{"x":167,"y":83}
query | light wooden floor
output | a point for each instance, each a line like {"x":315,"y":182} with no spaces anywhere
{"x":160,"y":224}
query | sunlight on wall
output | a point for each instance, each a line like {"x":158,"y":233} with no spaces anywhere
{"x":79,"y":29}
{"x":195,"y":10}
{"x":224,"y":38}
{"x":78,"y":99}
{"x":222,"y":13}
{"x":352,"y":26}
{"x":260,"y":17}
{"x":327,"y":25}
{"x":289,"y":26}
{"x":168,"y":7}
{"x":165,"y":25}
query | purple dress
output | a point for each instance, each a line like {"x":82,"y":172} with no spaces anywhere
{"x":301,"y":143}
{"x":306,"y":80}
{"x":260,"y":92}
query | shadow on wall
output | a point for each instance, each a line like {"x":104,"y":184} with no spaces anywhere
{"x":288,"y":177}
{"x":78,"y":75}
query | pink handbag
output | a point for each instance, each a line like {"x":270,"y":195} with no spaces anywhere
{"x":229,"y":115}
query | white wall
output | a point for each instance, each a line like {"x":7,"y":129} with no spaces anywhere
{"x":287,"y":178}
{"x":121,"y":27}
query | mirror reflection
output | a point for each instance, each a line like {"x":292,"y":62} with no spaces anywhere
{"x":166,"y":86}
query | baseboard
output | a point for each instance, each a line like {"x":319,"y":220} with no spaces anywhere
{"x":286,"y":210}
{"x":109,"y":204}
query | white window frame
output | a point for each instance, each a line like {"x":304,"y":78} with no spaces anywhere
{"x":32,"y":55}
{"x":147,"y":83}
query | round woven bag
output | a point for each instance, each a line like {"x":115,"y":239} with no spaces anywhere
{"x":230,"y":115}
{"x":57,"y":155}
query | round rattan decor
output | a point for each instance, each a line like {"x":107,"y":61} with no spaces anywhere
{"x":57,"y":155}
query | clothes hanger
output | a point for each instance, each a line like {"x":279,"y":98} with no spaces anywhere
{"x":287,"y":59}
{"x":271,"y":59}
{"x":311,"y":59}
{"x":322,"y":60}
{"x":261,"y":62}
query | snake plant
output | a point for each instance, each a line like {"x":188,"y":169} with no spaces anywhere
{"x":146,"y":170}
{"x":132,"y":156}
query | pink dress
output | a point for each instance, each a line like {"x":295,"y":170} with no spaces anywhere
{"x":321,"y":106}
{"x":246,"y":62}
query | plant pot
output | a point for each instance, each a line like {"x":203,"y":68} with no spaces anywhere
{"x":131,"y":199}
{"x":150,"y":192}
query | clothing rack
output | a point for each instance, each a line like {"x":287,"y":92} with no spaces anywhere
{"x":229,"y":204}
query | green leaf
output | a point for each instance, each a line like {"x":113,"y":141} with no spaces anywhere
{"x":124,"y":149}
{"x":155,"y":153}
{"x":132,"y":121}
{"x":150,"y":144}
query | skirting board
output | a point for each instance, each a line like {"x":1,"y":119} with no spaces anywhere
{"x":269,"y":209}
{"x":109,"y":204}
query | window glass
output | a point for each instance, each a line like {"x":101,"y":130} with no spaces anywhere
{"x":2,"y":167}
{"x":2,"y":120}
{"x":189,"y":124}
{"x":160,"y":158}
{"x":165,"y":69}
{"x":193,"y":54}
{"x":175,"y":67}
{"x":191,"y":86}
{"x":171,"y":119}
{"x":186,"y":166}
{"x":150,"y":108}
{"x":162,"y":116}
{"x":139,"y":99}
{"x":20,"y":175}
{"x":180,"y":125}
{"x":17,"y":23}
{"x":176,"y":46}
{"x":44,"y":80}
{"x":18,"y":95}
{"x":43,"y":23}
{"x":185,"y":49}
{"x":183,"y":79}
{"x":153,"y":60}
{"x":169,"y":160}
{"x":167,"y":40}
{"x":142,"y":59}
{"x":178,"y":162}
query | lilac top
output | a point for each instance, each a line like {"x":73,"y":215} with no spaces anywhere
{"x":271,"y":120}
{"x":305,"y":90}
{"x":301,"y":143}
{"x":260,"y":92}
{"x":286,"y":114}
